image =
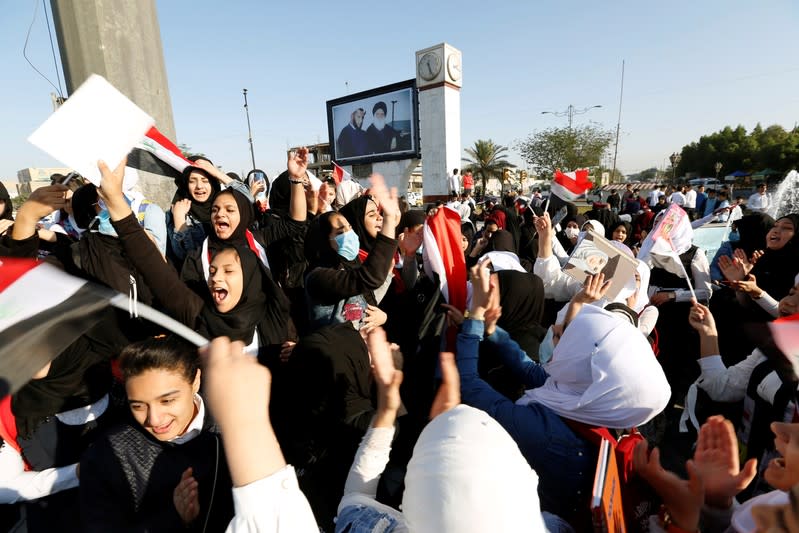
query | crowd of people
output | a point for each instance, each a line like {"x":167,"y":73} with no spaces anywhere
{"x":345,"y":389}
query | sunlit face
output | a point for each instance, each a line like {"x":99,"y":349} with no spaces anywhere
{"x":782,"y":232}
{"x":372,"y":220}
{"x":225,"y":216}
{"x":226,"y":280}
{"x":357,"y":117}
{"x":162,"y":401}
{"x":199,"y":187}
{"x":789,"y":305}
{"x":339,"y":226}
{"x":328,"y":194}
{"x":783,"y":473}
{"x":620,"y":234}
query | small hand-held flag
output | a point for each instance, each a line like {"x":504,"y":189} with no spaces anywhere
{"x":339,"y":174}
{"x":571,"y":185}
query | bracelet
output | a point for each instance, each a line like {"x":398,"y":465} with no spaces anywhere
{"x":296,"y":182}
{"x":668,"y":524}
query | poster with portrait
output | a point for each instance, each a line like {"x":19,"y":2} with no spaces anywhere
{"x":595,"y":254}
{"x":377,"y":125}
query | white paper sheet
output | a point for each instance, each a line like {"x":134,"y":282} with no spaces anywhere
{"x":96,"y":122}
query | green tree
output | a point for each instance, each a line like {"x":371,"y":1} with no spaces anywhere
{"x":188,"y":152}
{"x":565,"y":148}
{"x":486,"y":160}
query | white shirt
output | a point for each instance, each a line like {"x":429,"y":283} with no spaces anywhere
{"x":758,"y":202}
{"x":454,"y":182}
{"x":652,"y":197}
{"x":677,"y":198}
{"x":196,"y":425}
{"x":690,"y":199}
{"x":18,"y":485}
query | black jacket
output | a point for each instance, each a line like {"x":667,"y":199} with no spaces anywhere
{"x":127,"y":480}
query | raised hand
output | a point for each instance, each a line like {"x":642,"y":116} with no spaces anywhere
{"x":733,"y":269}
{"x":716,"y":458}
{"x":682,"y":498}
{"x":388,"y":200}
{"x":387,"y":378}
{"x":180,"y":209}
{"x":594,"y":288}
{"x":297,"y":164}
{"x":740,"y":255}
{"x":701,"y":319}
{"x":411,"y":241}
{"x":454,"y":315}
{"x":449,"y":392}
{"x":481,"y":288}
{"x":40,"y":203}
{"x":543,"y":226}
{"x":286,"y":349}
{"x":748,"y":286}
{"x":375,"y":317}
{"x":185,"y":497}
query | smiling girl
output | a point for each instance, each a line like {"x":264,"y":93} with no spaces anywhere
{"x":163,"y":470}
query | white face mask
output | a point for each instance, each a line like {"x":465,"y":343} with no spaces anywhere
{"x":571,"y":233}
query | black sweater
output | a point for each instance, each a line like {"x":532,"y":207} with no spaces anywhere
{"x":127,"y":480}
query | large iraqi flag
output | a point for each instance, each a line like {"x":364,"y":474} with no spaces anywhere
{"x":156,"y":154}
{"x":43,"y":310}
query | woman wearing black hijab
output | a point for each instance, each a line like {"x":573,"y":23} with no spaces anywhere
{"x":341,"y":287}
{"x":189,"y":220}
{"x":749,"y":234}
{"x":240,"y":300}
{"x":6,"y":207}
{"x":48,"y":424}
{"x":363,"y":214}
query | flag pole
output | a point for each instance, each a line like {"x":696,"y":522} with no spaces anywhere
{"x":121,"y":301}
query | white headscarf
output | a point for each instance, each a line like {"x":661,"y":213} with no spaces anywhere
{"x":346,"y":191}
{"x":603,"y":373}
{"x":642,"y":296}
{"x":467,"y":475}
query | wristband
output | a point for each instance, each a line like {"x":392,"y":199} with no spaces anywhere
{"x":296,"y":182}
{"x":668,"y":524}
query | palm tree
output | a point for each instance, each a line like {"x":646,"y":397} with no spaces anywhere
{"x":486,"y":159}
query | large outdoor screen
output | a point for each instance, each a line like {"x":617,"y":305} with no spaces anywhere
{"x":376,"y":125}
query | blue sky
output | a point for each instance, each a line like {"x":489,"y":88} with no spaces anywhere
{"x":691,"y":68}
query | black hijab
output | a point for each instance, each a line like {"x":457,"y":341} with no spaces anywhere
{"x":262,"y":305}
{"x":501,"y":241}
{"x":521,"y":296}
{"x":776,"y":269}
{"x":246,"y":218}
{"x":318,"y":250}
{"x":83,"y":201}
{"x":355,"y":213}
{"x":5,"y":199}
{"x":280,"y":193}
{"x":78,"y":376}
{"x":753,"y":230}
{"x":200,"y":211}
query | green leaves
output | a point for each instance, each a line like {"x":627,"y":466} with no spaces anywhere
{"x":565,"y":148}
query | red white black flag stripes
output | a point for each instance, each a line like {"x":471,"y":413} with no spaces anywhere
{"x":443,"y":255}
{"x":156,"y":154}
{"x":786,"y":335}
{"x":571,"y":185}
{"x":43,"y":310}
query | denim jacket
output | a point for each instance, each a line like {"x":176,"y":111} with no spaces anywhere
{"x":565,"y":463}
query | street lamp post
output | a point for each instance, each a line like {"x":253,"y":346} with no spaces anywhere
{"x":718,"y":166}
{"x":675,"y":159}
{"x":570,"y":112}
{"x":249,"y":129}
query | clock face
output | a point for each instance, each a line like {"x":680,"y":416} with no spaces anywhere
{"x":454,"y":66}
{"x":429,"y":66}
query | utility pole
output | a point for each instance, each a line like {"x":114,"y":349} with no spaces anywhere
{"x":618,"y":123}
{"x":249,"y":129}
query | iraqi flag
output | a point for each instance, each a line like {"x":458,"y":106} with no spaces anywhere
{"x":444,"y":257}
{"x":43,"y":310}
{"x":158,"y":155}
{"x":571,"y":185}
{"x":339,"y":174}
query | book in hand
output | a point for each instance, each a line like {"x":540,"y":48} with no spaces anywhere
{"x":606,"y":506}
{"x":595,"y":254}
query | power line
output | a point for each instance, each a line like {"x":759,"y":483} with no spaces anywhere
{"x":25,"y":49}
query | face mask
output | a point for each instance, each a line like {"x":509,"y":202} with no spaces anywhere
{"x":547,"y":348}
{"x":105,"y":226}
{"x":348,"y":245}
{"x":571,"y":232}
{"x":733,"y":236}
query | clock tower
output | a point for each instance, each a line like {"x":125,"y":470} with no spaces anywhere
{"x":439,"y":79}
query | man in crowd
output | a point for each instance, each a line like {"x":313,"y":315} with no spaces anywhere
{"x":701,"y":200}
{"x":468,"y":183}
{"x":678,"y":196}
{"x":454,"y":182}
{"x":352,"y":139}
{"x":710,"y":203}
{"x":690,"y":201}
{"x":654,"y":194}
{"x":613,"y":201}
{"x":380,"y":137}
{"x":760,"y":201}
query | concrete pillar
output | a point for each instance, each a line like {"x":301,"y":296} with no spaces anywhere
{"x":121,"y":41}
